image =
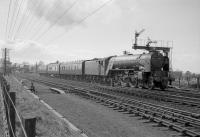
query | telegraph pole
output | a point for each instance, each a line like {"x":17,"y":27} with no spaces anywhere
{"x":5,"y":55}
{"x":36,"y":67}
{"x":5,"y":59}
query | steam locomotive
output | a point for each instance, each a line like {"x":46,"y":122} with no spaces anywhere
{"x":147,"y":70}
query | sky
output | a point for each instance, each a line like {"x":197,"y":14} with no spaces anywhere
{"x":43,"y":32}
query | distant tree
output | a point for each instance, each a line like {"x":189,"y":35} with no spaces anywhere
{"x":188,"y":76}
{"x":193,"y":75}
{"x":198,"y":75}
{"x":41,"y":63}
{"x":177,"y":74}
{"x":198,"y":79}
{"x":25,"y":63}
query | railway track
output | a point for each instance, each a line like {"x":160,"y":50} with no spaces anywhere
{"x":185,"y":122}
{"x":170,"y":96}
{"x":160,"y":96}
{"x":173,"y":120}
{"x":171,"y":91}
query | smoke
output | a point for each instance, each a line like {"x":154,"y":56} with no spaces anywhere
{"x":63,"y":12}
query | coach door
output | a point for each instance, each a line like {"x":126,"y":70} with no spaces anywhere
{"x":101,"y":67}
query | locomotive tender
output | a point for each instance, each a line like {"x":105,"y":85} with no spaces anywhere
{"x":147,"y":70}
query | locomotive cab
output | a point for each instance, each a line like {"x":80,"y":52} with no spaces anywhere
{"x":159,"y":70}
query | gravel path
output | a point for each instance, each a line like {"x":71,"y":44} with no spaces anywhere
{"x":47,"y":123}
{"x":100,"y":121}
{"x":1,"y":116}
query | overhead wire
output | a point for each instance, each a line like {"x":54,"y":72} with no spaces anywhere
{"x":94,"y":12}
{"x":82,"y":20}
{"x":41,"y":23}
{"x":30,"y":20}
{"x":15,"y":21}
{"x":57,"y":20}
{"x":8,"y":16}
{"x":15,"y":5}
{"x":18,"y":30}
{"x":35,"y":25}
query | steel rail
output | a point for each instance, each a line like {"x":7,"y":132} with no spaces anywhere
{"x":158,"y":96}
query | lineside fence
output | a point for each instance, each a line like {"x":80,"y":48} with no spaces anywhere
{"x":9,"y":110}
